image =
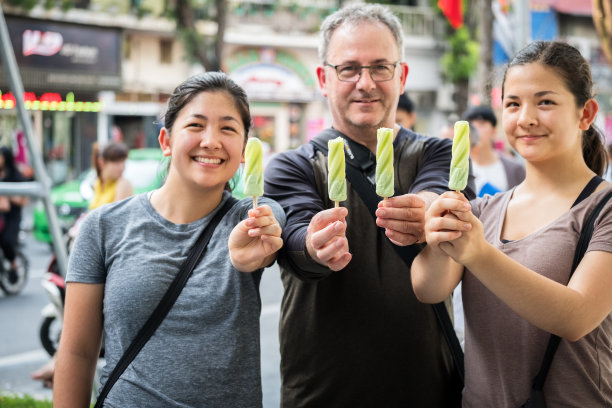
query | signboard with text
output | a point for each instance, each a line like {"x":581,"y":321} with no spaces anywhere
{"x":66,"y":56}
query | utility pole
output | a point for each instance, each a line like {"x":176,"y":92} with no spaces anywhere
{"x":485,"y":62}
{"x":41,"y":188}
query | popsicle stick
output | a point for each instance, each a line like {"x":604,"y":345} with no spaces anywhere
{"x":254,"y":202}
{"x":336,"y":204}
{"x":385,"y":201}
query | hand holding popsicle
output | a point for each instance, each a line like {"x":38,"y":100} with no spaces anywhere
{"x":253,"y":243}
{"x":253,"y":169}
{"x":336,"y":170}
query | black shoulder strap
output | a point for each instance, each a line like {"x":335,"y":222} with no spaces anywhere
{"x":581,"y":247}
{"x":166,"y":302}
{"x":368,"y":195}
{"x":588,"y":189}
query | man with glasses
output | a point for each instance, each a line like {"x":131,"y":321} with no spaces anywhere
{"x":352,"y":333}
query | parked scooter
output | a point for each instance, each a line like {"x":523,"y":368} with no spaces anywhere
{"x":12,"y":282}
{"x":55,"y":288}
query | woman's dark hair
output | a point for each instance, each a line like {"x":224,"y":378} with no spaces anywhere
{"x":567,"y":61}
{"x":207,"y":82}
{"x":11,"y":172}
{"x":112,"y":152}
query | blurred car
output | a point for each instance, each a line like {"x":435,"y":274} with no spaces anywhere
{"x":143,"y":168}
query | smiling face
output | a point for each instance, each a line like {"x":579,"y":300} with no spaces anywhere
{"x":540,"y":116}
{"x":206,"y":142}
{"x":359,"y":108}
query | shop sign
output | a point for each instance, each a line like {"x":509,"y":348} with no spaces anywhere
{"x":269,"y":74}
{"x":66,"y":55}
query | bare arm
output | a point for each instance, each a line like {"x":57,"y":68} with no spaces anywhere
{"x":434,"y":273}
{"x":79,"y":345}
{"x":570,"y":311}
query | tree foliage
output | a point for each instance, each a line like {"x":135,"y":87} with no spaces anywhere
{"x":461,"y":60}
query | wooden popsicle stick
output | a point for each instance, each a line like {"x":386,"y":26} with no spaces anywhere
{"x":336,"y":204}
{"x":254,"y":202}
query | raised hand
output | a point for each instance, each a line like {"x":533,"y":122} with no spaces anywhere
{"x":403,"y":218}
{"x":326,"y":241}
{"x":253,"y":243}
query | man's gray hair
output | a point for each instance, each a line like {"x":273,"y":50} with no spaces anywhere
{"x":355,"y":14}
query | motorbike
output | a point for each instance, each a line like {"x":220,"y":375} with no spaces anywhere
{"x":55,"y":288}
{"x":12,"y":282}
{"x":53,"y":313}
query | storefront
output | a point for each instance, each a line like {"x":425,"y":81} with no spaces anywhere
{"x":63,"y":68}
{"x":281,"y":88}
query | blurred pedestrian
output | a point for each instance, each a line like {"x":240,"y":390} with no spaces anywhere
{"x":493,"y":172}
{"x":10,"y":211}
{"x":405,"y":114}
{"x":206,"y":352}
{"x":110,"y":185}
{"x":515,"y":260}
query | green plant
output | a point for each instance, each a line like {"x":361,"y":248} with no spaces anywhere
{"x":461,"y":60}
{"x":23,"y":401}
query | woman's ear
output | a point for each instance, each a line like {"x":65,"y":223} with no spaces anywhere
{"x":588,"y":114}
{"x":164,"y":141}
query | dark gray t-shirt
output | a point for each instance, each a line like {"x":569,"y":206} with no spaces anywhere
{"x":206,"y":352}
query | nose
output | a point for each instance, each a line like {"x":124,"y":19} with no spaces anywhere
{"x":527,"y":117}
{"x":211,"y":139}
{"x":365,"y":81}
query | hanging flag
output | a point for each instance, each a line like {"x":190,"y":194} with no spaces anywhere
{"x":453,"y":10}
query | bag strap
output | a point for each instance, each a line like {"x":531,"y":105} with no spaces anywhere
{"x":167,"y":301}
{"x":366,"y":192}
{"x":581,"y":247}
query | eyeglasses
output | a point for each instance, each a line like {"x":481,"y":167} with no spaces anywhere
{"x":352,"y":72}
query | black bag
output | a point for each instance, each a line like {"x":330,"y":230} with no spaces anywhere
{"x":536,"y":398}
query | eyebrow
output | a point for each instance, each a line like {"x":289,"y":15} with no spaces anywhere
{"x":204,"y":117}
{"x":537,"y":94}
{"x":377,"y":61}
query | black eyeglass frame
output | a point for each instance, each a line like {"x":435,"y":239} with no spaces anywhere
{"x":361,"y":67}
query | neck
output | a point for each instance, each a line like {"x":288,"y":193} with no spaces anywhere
{"x":561,"y":177}
{"x":182,"y":205}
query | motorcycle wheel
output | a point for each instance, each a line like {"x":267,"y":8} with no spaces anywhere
{"x":49,"y":334}
{"x":14,"y":286}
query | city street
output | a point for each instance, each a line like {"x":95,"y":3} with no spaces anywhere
{"x":20,"y":317}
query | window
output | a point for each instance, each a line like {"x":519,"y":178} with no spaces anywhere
{"x":165,"y":51}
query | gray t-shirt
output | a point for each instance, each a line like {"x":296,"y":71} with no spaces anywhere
{"x":503,"y":352}
{"x":206,"y":352}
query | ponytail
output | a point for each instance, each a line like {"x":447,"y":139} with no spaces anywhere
{"x":95,"y":154}
{"x":594,"y":151}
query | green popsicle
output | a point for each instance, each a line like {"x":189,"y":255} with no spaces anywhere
{"x":336,"y":178}
{"x":253,"y":168}
{"x":384,"y":163}
{"x":460,"y":163}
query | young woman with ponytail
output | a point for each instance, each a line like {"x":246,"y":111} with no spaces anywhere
{"x":110,"y":186}
{"x":514,"y":251}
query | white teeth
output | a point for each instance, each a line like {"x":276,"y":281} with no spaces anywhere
{"x":207,"y":160}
